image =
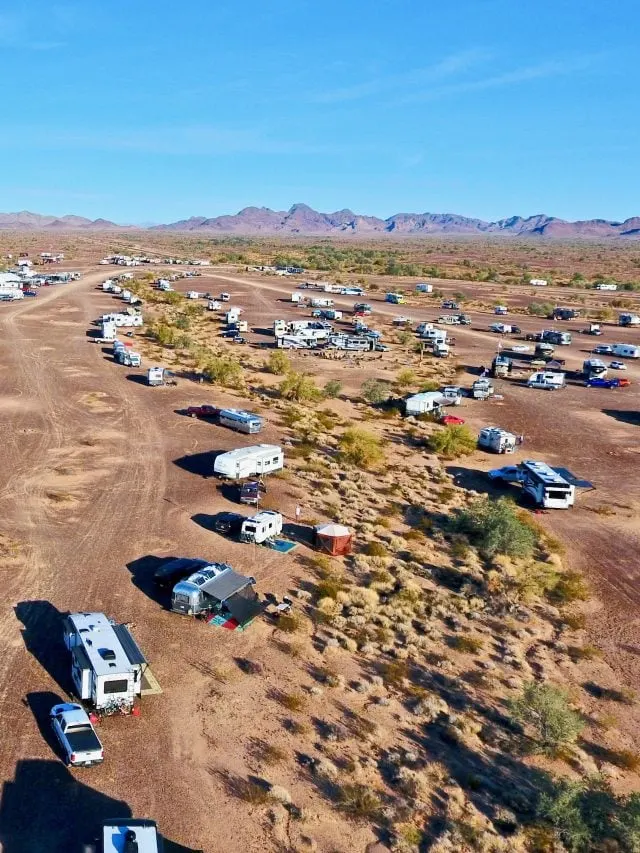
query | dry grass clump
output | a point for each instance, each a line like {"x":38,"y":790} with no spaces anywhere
{"x":469,"y":645}
{"x":577,"y":653}
{"x":574,"y":621}
{"x":376,"y":549}
{"x":394,"y":673}
{"x":571,"y":587}
{"x":358,"y":802}
{"x":271,"y":754}
{"x":290,"y":623}
{"x":295,"y":702}
{"x":329,"y":587}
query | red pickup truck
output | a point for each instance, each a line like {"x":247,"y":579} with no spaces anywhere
{"x":204,"y":411}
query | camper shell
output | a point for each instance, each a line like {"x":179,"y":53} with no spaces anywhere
{"x":497,"y":440}
{"x":546,"y":380}
{"x":217,"y":589}
{"x":106,"y":663}
{"x":252,"y":461}
{"x":261,"y":527}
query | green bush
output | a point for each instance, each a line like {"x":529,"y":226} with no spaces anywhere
{"x":470,"y":645}
{"x":494,"y":528}
{"x":546,"y":709}
{"x":300,"y":388}
{"x":361,"y":448}
{"x":452,"y":441}
{"x":375,"y":549}
{"x":332,"y":388}
{"x":358,"y":802}
{"x":278,"y":363}
{"x":375,"y":391}
{"x":224,"y":371}
{"x":540,"y":309}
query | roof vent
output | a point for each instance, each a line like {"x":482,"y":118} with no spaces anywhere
{"x":107,"y":654}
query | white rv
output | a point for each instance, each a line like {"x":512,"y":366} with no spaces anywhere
{"x":249,"y":461}
{"x":440,"y":349}
{"x":232,"y":315}
{"x":629,"y":320}
{"x":546,"y":380}
{"x":605,"y":286}
{"x":538,"y":282}
{"x":260,"y":527}
{"x":279,"y":328}
{"x":428,"y":402}
{"x":423,"y":287}
{"x":155,"y":376}
{"x":106,"y":664}
{"x":593,"y":368}
{"x":108,"y":330}
{"x":213,"y":305}
{"x":128,"y":357}
{"x":497,"y":440}
{"x":545,"y":486}
{"x":626,"y":350}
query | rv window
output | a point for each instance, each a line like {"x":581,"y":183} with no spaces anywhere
{"x":120,"y":686}
{"x":274,"y":461}
{"x":557,"y":494}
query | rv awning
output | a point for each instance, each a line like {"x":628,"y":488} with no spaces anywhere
{"x":226,"y":584}
{"x":573,"y":480}
{"x":244,"y":605}
{"x":131,"y":648}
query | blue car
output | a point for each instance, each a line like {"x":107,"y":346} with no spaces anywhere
{"x":30,"y":292}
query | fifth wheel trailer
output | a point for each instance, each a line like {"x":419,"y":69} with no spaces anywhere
{"x":252,"y":461}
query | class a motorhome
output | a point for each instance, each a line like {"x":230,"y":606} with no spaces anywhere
{"x":216,"y":589}
{"x":261,"y":527}
{"x":252,"y":461}
{"x":240,"y":420}
{"x":626,"y":350}
{"x":546,"y":380}
{"x":497,"y":440}
{"x":106,"y":663}
{"x":546,"y":487}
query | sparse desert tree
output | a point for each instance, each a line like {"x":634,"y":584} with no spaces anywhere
{"x":494,"y":528}
{"x":361,"y":448}
{"x":224,"y":371}
{"x":453,"y":441}
{"x":376,"y":391}
{"x":546,"y":709}
{"x":299,"y":387}
{"x":279,"y":363}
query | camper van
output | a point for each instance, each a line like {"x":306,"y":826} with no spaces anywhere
{"x":249,"y":461}
{"x":261,"y":527}
{"x":546,"y":380}
{"x":497,"y":440}
{"x":545,"y":486}
{"x":106,"y":664}
{"x":626,"y":350}
{"x":240,"y":420}
{"x":216,"y":589}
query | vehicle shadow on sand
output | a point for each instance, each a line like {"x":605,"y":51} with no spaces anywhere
{"x":625,"y":417}
{"x":200,"y":464}
{"x":42,"y":635}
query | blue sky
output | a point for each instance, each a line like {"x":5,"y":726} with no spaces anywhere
{"x":155,"y":111}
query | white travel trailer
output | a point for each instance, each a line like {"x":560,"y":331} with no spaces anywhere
{"x":538,"y":282}
{"x":240,"y":420}
{"x":252,"y":461}
{"x":606,"y":286}
{"x":546,"y":380}
{"x":213,"y":305}
{"x":452,"y":395}
{"x":321,"y":302}
{"x":626,"y":350}
{"x":428,"y":402}
{"x":497,"y":440}
{"x":106,"y":663}
{"x":279,"y":328}
{"x":298,"y":341}
{"x":10,"y":294}
{"x":108,"y":331}
{"x":107,"y":285}
{"x":261,"y":527}
{"x":423,"y":287}
{"x":546,"y":487}
{"x":217,"y":590}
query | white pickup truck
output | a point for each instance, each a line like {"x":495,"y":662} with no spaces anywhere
{"x":76,"y":734}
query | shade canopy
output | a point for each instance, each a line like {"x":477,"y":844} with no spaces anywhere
{"x":335,"y":539}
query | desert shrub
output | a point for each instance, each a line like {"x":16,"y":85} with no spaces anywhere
{"x":571,"y":587}
{"x":375,"y":391}
{"x":375,"y":549}
{"x":546,"y":709}
{"x":540,"y":309}
{"x":271,"y":754}
{"x":224,"y":371}
{"x":585,"y":814}
{"x":278,"y":363}
{"x":577,"y":653}
{"x":494,"y":528}
{"x":332,"y":388}
{"x":459,"y":548}
{"x":251,"y":792}
{"x":329,"y":587}
{"x":395,"y":672}
{"x":361,"y":448}
{"x":289,"y":623}
{"x":574,"y":621}
{"x":470,"y":645}
{"x":405,"y":379}
{"x":358,"y":801}
{"x":452,"y":441}
{"x":292,"y":701}
{"x":300,"y":388}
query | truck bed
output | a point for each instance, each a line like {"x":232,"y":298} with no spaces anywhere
{"x":83,"y":740}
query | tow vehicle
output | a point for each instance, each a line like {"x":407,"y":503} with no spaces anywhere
{"x":204,"y":411}
{"x":78,"y":739}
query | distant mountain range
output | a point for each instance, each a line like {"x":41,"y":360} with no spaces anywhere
{"x":303,"y":220}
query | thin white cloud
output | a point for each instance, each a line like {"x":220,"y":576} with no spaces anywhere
{"x":448,"y":67}
{"x":543,"y":70}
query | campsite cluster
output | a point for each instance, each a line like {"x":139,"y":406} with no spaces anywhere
{"x":412,"y":597}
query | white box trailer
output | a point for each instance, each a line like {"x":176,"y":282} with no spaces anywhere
{"x":261,"y":527}
{"x":626,"y":350}
{"x":106,"y":663}
{"x":546,"y":380}
{"x":497,"y":440}
{"x":428,"y":402}
{"x":249,"y":461}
